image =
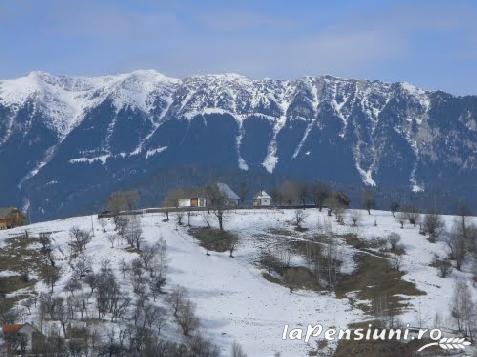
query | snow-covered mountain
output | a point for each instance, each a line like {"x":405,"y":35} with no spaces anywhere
{"x":66,"y":142}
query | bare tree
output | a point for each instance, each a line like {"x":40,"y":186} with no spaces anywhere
{"x":50,"y":275}
{"x":186,"y":317}
{"x":176,"y":299}
{"x":133,"y":232}
{"x":463,"y":309}
{"x":111,"y":238}
{"x":244,"y":190}
{"x":401,"y":217}
{"x":394,"y":207}
{"x":319,"y":193}
{"x":232,"y":242}
{"x":283,"y":255}
{"x":289,"y":192}
{"x":455,"y":240}
{"x":237,"y":350}
{"x":122,"y":201}
{"x":205,"y":217}
{"x":103,"y":222}
{"x":433,"y":225}
{"x":298,"y":218}
{"x":72,"y":285}
{"x":46,"y":247}
{"x":412,"y":214}
{"x":303,"y":192}
{"x":80,"y":266}
{"x":78,"y":240}
{"x":332,"y":263}
{"x":368,"y":201}
{"x":120,"y":224}
{"x":336,"y":207}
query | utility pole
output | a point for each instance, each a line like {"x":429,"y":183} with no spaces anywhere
{"x":92,"y":226}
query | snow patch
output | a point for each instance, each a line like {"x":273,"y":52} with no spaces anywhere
{"x":153,"y":152}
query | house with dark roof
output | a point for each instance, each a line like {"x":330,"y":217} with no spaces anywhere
{"x":231,"y":198}
{"x":19,"y":338}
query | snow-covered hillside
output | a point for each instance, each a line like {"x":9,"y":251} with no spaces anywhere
{"x":234,"y":300}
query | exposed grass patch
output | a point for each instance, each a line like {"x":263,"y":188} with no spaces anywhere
{"x":281,"y":232}
{"x":20,"y":257}
{"x":374,"y":245}
{"x":302,"y":247}
{"x":292,"y":277}
{"x":11,"y":284}
{"x":212,"y":239}
{"x":301,"y":278}
{"x":374,"y":278}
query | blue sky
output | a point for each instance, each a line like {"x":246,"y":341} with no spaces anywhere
{"x":432,"y":44}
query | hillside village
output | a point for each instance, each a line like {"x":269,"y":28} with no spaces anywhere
{"x":212,"y":274}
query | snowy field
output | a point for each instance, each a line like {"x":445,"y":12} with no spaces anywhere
{"x":236,"y":303}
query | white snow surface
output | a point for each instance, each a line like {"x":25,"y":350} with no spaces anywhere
{"x":234,"y":301}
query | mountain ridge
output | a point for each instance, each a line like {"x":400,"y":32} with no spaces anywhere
{"x":367,"y":132}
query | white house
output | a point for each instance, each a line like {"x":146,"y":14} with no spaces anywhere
{"x":262,"y":199}
{"x":192,"y":202}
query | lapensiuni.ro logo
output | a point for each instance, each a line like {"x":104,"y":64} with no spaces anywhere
{"x":371,"y":333}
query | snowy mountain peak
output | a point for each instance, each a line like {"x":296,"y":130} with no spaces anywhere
{"x":377,"y":133}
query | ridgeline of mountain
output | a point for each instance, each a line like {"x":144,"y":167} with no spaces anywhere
{"x":67,"y":142}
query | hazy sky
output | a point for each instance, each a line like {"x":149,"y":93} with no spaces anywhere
{"x":432,"y":44}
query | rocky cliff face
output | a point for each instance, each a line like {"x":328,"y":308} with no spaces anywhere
{"x":66,"y":142}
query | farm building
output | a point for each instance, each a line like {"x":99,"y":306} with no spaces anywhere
{"x":192,"y":202}
{"x":11,"y":217}
{"x":186,"y":197}
{"x":231,"y":198}
{"x":19,"y":338}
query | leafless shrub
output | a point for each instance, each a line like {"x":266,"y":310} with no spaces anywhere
{"x":433,"y":225}
{"x":412,"y":214}
{"x":393,"y":240}
{"x":179,"y":217}
{"x":237,"y":350}
{"x":355,"y":217}
{"x":444,"y":267}
{"x":298,"y":218}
